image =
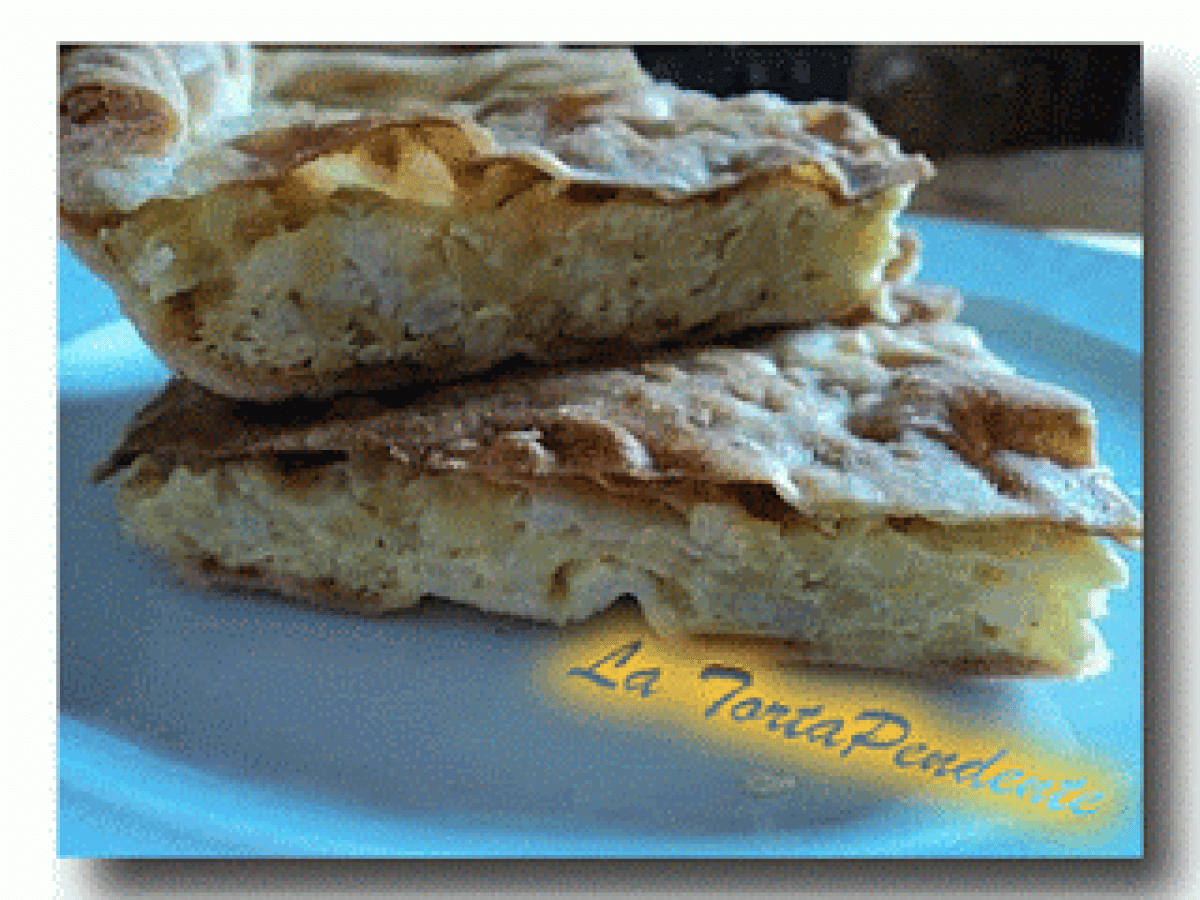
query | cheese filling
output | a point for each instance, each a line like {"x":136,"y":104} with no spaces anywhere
{"x":394,"y":250}
{"x":896,"y":592}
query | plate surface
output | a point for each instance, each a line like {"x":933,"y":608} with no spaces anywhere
{"x":217,"y":723}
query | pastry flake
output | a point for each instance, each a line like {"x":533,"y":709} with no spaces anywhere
{"x":297,"y":223}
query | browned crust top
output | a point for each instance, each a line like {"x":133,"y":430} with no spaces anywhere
{"x":909,"y":420}
{"x":138,"y":122}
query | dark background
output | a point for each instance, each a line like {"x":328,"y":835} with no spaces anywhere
{"x":939,"y":99}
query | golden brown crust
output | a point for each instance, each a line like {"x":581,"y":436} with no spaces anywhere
{"x":284,"y":107}
{"x":912,"y":420}
{"x":126,"y":111}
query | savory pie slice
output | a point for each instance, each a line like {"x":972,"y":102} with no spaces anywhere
{"x":282,"y":223}
{"x":877,"y":496}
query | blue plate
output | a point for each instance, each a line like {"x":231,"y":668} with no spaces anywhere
{"x":210,"y":723}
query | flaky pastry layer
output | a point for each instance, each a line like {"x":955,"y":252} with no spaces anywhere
{"x":406,"y":218}
{"x":880,"y":496}
{"x":918,"y":419}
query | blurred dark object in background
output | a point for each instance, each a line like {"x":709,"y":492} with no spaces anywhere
{"x":1040,"y":137}
{"x":939,"y":99}
{"x":945,"y":100}
{"x":797,"y":72}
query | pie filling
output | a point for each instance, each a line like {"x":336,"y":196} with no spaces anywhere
{"x":349,"y":261}
{"x":898,"y":592}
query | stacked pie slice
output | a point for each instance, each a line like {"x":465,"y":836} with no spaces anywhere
{"x":530,"y":331}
